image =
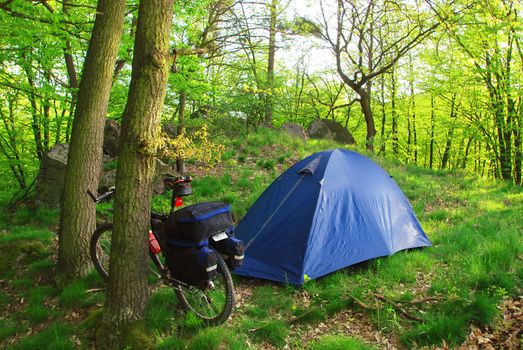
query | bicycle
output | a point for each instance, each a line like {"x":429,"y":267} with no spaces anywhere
{"x":213,"y":300}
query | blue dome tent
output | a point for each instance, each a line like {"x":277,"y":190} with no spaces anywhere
{"x":330,"y":210}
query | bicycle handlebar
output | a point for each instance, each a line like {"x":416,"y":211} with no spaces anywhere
{"x":103,"y":197}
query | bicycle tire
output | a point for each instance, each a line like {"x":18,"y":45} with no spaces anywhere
{"x":100,"y":248}
{"x":197,"y":300}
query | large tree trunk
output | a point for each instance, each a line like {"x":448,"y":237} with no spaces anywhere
{"x":77,"y":221}
{"x":127,"y":290}
{"x":270,"y":65}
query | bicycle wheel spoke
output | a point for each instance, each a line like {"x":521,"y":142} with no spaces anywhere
{"x":213,"y":303}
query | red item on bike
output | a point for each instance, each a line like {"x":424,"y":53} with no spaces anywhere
{"x":178,"y":202}
{"x":154,"y":246}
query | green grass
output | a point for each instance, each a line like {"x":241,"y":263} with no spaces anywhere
{"x":273,"y":332}
{"x":74,"y":295}
{"x":339,"y":342}
{"x":56,"y":336}
{"x":162,"y":311}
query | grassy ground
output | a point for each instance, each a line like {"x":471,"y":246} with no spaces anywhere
{"x":468,"y":286}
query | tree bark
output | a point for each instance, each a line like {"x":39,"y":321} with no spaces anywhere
{"x":77,"y":221}
{"x":127,"y":290}
{"x":369,"y":119}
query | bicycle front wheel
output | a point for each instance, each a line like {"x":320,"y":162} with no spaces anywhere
{"x":213,"y":303}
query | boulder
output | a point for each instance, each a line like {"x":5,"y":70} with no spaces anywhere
{"x":50,"y":178}
{"x":108,"y":178}
{"x":170,"y":130}
{"x":111,"y":138}
{"x":330,"y":129}
{"x":161,"y":171}
{"x":295,"y":130}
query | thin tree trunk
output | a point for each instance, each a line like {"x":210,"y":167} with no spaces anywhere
{"x":180,"y":164}
{"x":395,"y":139}
{"x":450,"y":133}
{"x":383,"y":115}
{"x":36,"y":124}
{"x":409,"y":138}
{"x":466,"y":155}
{"x":127,"y":290}
{"x":518,"y":148}
{"x":77,"y":221}
{"x":432,"y":127}
{"x":413,"y":121}
{"x":10,"y":148}
{"x":270,"y":65}
{"x":46,"y":120}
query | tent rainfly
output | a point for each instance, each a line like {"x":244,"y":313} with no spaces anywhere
{"x":330,"y":210}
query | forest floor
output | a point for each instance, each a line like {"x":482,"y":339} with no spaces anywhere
{"x":465,"y":292}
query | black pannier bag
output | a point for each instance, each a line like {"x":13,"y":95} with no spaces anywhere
{"x":232,"y":249}
{"x":198,"y":222}
{"x":194,"y":265}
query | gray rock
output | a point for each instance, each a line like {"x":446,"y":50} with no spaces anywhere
{"x":319,"y":130}
{"x":161,"y":171}
{"x":170,"y":129}
{"x":111,"y":138}
{"x":107,"y":180}
{"x":50,"y":178}
{"x":295,"y":130}
{"x":330,"y":129}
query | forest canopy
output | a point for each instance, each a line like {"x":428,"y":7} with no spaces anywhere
{"x":434,"y":83}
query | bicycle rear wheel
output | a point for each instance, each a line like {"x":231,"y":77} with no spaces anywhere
{"x":213,"y":303}
{"x":100,"y":248}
